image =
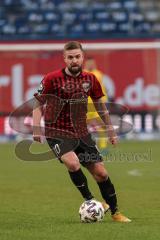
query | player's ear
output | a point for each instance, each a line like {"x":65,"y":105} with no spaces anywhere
{"x":64,"y":57}
{"x":64,"y":54}
{"x":83,"y":55}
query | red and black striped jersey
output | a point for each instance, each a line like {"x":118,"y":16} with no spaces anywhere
{"x":65,"y":101}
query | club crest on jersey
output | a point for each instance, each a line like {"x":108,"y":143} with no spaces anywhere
{"x":86,"y":86}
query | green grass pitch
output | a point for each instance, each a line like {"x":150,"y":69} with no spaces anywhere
{"x":39,"y":202}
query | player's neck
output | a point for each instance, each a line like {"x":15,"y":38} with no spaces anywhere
{"x":70,"y":74}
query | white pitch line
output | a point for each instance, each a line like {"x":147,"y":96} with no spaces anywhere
{"x":135,"y":173}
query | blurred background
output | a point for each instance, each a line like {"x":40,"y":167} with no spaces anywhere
{"x":121,"y":41}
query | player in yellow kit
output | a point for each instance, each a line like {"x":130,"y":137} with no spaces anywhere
{"x":94,"y":122}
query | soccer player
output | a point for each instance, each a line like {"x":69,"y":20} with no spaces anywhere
{"x":93,"y":120}
{"x":62,"y":98}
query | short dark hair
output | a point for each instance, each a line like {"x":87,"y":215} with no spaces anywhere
{"x":72,"y":45}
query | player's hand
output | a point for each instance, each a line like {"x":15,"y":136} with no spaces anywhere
{"x":112,"y":136}
{"x":37,"y":138}
{"x":113,"y":140}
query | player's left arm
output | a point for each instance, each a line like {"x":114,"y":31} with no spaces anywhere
{"x":101,"y":108}
{"x":97,"y":95}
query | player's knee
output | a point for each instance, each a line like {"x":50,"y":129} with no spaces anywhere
{"x":71,"y":161}
{"x":73,"y":166}
{"x":101,"y":176}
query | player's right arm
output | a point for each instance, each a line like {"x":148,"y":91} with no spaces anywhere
{"x":40,"y":99}
{"x":37,"y":115}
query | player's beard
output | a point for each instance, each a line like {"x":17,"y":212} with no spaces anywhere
{"x":75,"y":69}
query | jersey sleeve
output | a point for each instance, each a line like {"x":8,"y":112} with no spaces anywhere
{"x":96,"y":89}
{"x":44,"y":89}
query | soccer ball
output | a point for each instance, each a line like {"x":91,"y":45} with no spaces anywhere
{"x":91,"y":211}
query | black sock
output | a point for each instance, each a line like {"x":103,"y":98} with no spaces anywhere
{"x":80,"y":181}
{"x":108,"y":193}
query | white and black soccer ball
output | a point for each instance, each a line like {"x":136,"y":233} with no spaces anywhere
{"x":91,"y":211}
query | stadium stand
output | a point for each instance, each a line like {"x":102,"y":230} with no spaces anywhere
{"x":57,"y":19}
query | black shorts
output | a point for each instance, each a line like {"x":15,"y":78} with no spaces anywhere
{"x":85,"y":148}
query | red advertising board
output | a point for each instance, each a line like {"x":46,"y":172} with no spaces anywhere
{"x":130,"y":76}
